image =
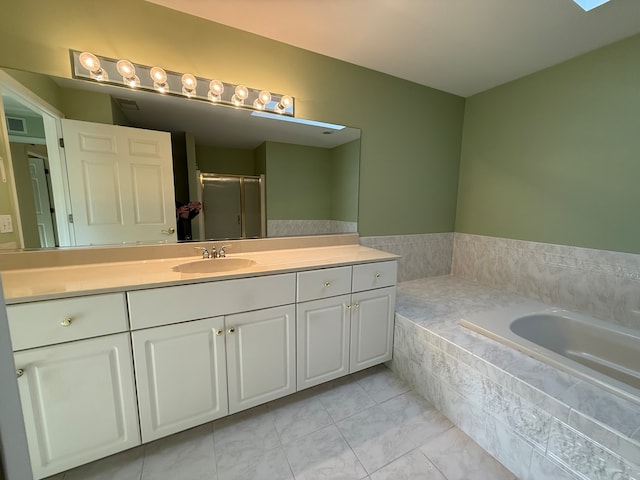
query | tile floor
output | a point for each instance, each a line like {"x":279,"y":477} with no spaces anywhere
{"x":368,"y":425}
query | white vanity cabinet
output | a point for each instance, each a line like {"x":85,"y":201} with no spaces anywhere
{"x":323,"y":325}
{"x":181,"y":376}
{"x":197,"y":345}
{"x":105,"y":372}
{"x":78,"y":395}
{"x":260,"y":356}
{"x":340,"y":332}
{"x":372,"y":314}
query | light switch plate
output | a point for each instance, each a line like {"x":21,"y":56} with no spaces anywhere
{"x":6,"y":225}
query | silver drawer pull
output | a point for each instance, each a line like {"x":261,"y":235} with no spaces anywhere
{"x":327,"y":284}
{"x":378,"y":275}
{"x":66,"y":322}
{"x":19,"y":372}
{"x":231,"y":330}
{"x":218,"y":332}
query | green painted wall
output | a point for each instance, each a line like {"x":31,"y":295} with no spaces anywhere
{"x":231,"y":161}
{"x":87,"y":106}
{"x":410,"y":133}
{"x":302,"y":173}
{"x":554,"y":157}
{"x":345,"y":160}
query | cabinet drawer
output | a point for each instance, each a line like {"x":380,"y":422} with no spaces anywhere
{"x":328,"y":282}
{"x":166,"y":305}
{"x":56,"y":321}
{"x":374,"y":275}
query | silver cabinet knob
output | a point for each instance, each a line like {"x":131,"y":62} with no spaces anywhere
{"x":357,"y":305}
{"x":327,"y":284}
{"x":378,"y":275}
{"x":348,"y":307}
{"x":66,"y":321}
{"x":19,"y":372}
{"x":218,"y":332}
{"x":231,"y":330}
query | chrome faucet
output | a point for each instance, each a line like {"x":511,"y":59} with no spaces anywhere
{"x":214,"y":253}
{"x":222,"y":253}
{"x":205,"y":252}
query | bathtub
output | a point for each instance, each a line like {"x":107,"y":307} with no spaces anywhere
{"x":589,"y":348}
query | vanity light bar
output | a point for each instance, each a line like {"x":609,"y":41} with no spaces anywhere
{"x":123,"y":73}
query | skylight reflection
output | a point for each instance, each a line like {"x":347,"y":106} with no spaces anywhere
{"x":590,"y":4}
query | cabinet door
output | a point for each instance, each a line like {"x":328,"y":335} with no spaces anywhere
{"x":181,"y":376}
{"x":78,"y":402}
{"x":322,"y":330}
{"x":260,"y":356}
{"x":372,"y":315}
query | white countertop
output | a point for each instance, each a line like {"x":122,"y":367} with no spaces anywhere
{"x":33,"y":284}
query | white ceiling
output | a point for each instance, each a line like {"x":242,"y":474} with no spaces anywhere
{"x":459,"y":46}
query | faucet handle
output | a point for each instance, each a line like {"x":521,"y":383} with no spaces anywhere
{"x":205,"y":252}
{"x":222,"y":253}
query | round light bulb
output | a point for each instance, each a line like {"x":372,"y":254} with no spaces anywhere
{"x":216,"y":87}
{"x":133,"y":82}
{"x":89,"y":61}
{"x":126,"y":69}
{"x":264,"y":97}
{"x":258,"y":105}
{"x":286,"y":101}
{"x":242,"y":92}
{"x":189,"y":81}
{"x":158,"y":75}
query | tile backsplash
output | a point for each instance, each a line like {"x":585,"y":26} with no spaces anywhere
{"x":601,"y":283}
{"x":425,"y":255}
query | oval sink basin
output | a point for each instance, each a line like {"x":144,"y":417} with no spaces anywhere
{"x":214,"y":265}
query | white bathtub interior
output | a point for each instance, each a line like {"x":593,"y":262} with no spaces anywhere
{"x":596,"y":351}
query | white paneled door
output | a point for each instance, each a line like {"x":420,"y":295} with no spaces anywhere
{"x":44,"y":220}
{"x":120,"y":183}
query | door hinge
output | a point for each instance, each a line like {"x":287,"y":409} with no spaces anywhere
{"x":61,"y":142}
{"x":70,"y":217}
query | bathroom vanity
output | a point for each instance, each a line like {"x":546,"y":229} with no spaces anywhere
{"x":112,"y":355}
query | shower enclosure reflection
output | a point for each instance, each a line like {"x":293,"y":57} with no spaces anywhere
{"x":233,"y":206}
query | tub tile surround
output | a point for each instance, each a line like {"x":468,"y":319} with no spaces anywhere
{"x":424,"y":255}
{"x":538,"y":421}
{"x":281,"y":228}
{"x":600,"y":283}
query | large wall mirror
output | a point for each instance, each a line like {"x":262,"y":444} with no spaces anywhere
{"x":289,"y":176}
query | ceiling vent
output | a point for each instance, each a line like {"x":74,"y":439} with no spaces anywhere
{"x":16,"y":125}
{"x":126,"y":104}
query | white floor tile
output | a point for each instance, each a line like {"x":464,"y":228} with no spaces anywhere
{"x":246,"y":435}
{"x":460,"y":458}
{"x":264,"y":465}
{"x":380,"y":383}
{"x":343,"y":399}
{"x":126,"y":465}
{"x":299,"y":415}
{"x":323,"y":455}
{"x":368,"y":423}
{"x":188,"y":455}
{"x":412,"y":466}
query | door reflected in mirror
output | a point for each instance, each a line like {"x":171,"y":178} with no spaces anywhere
{"x":308,"y":174}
